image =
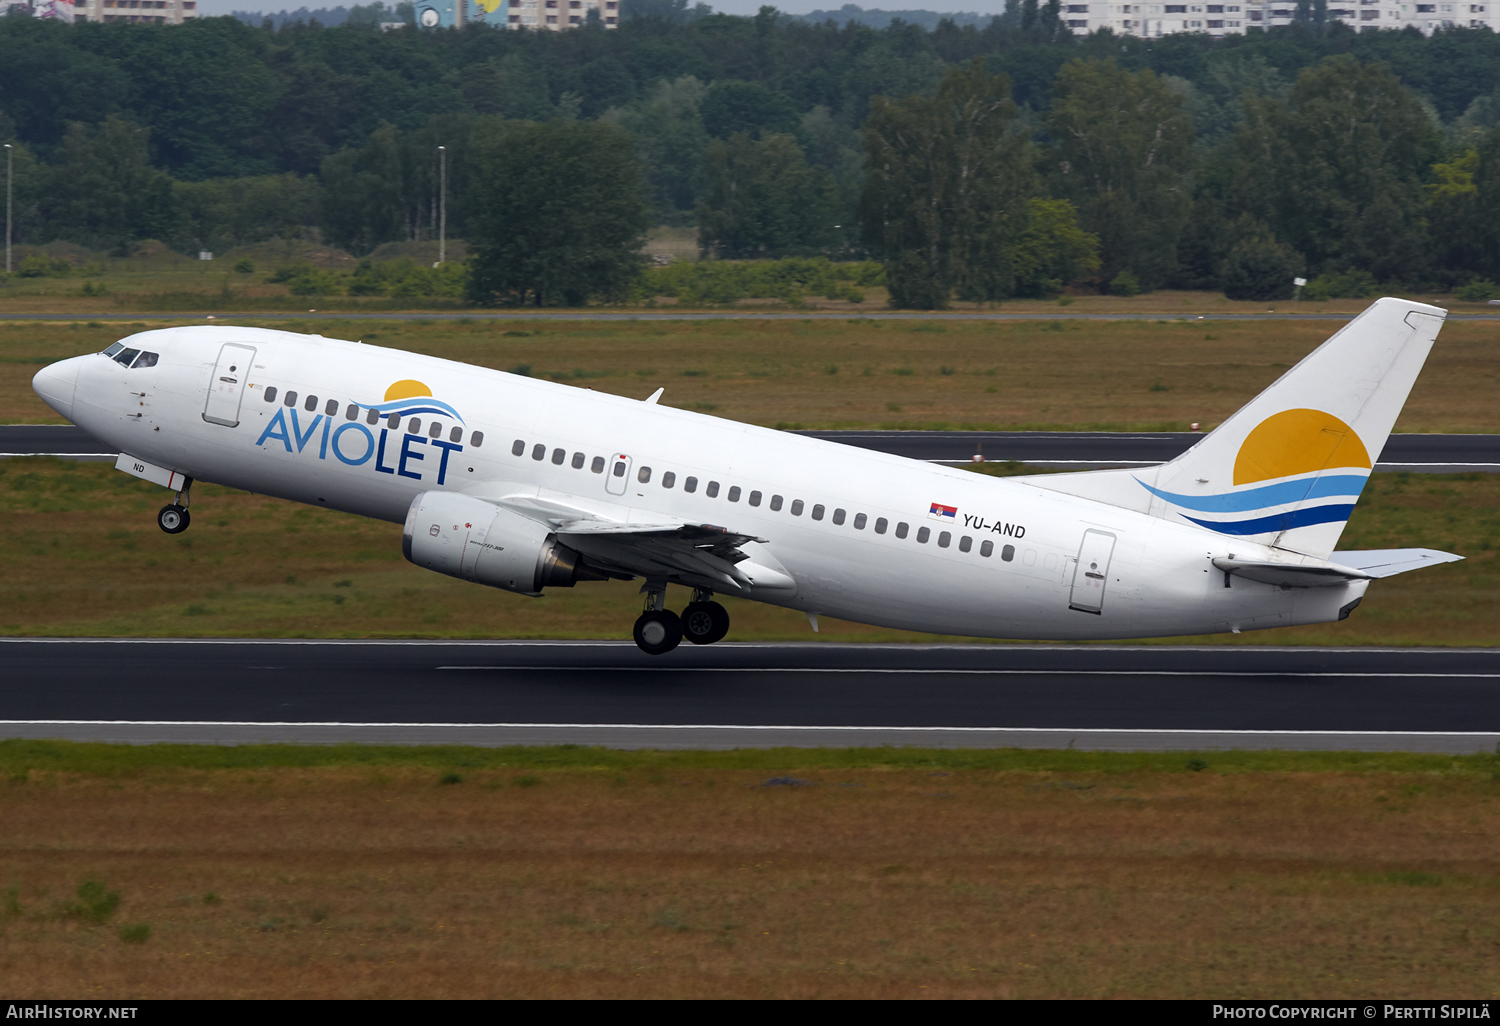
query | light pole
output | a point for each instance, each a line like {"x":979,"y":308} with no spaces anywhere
{"x":443,"y":204}
{"x":8,"y":152}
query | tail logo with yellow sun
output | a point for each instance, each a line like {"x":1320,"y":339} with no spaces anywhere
{"x":1296,"y":469}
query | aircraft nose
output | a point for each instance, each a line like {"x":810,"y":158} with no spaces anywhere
{"x":55,"y":384}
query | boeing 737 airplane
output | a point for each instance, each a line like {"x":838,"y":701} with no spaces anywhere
{"x":524,"y":485}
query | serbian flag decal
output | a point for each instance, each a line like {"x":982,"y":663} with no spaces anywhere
{"x":941,"y":512}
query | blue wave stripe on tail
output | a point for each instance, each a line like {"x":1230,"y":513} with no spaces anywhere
{"x":1281,"y":494}
{"x":1279,"y":521}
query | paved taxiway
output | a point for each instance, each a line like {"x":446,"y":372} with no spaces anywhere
{"x":751,"y":695}
{"x":1077,"y":450}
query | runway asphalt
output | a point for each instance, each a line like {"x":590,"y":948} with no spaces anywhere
{"x":751,"y":695}
{"x":1063,"y":450}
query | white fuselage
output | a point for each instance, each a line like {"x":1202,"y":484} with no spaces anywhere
{"x":1156,"y":578}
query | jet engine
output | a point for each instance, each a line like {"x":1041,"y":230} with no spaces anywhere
{"x":469,"y":538}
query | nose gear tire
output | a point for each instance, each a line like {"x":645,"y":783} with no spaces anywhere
{"x":173,"y":519}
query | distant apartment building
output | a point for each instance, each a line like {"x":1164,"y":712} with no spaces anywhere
{"x":558,"y":15}
{"x":148,"y":12}
{"x":1158,"y":19}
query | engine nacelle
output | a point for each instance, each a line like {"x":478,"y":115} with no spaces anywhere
{"x":478,"y":541}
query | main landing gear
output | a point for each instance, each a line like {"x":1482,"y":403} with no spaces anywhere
{"x":659,"y":630}
{"x":174,"y":517}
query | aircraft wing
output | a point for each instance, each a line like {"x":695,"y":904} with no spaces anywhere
{"x":698,"y":555}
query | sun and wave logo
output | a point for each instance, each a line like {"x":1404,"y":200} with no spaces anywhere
{"x":386,"y":438}
{"x":410,"y":398}
{"x":1297,"y":468}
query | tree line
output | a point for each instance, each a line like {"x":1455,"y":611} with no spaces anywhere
{"x":977,"y":163}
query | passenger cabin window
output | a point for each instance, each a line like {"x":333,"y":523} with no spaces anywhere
{"x":619,"y":470}
{"x":775,"y":504}
{"x":373,"y":417}
{"x":144,"y":360}
{"x":539,"y":452}
{"x":986,"y":548}
{"x":597,"y":467}
{"x":796,"y":509}
{"x":126,"y":355}
{"x":476,"y":439}
{"x":923,"y":533}
{"x":352,"y":413}
{"x":712,"y":491}
{"x":436,"y":431}
{"x":901,"y":529}
{"x":456,"y":435}
{"x":734,"y":493}
{"x":880,"y":525}
{"x":690,"y":485}
{"x":291,"y":399}
{"x":859,"y":521}
{"x":643,"y":475}
{"x":1008,"y":553}
{"x":518,"y":447}
{"x":393,"y":421}
{"x":311,"y":404}
{"x":838,"y":517}
{"x":330,"y":408}
{"x":668,"y":479}
{"x":943,"y":539}
{"x":755,"y":498}
{"x":415,"y":427}
{"x":578,"y":458}
{"x":271,"y":394}
{"x":559,"y":456}
{"x":817,"y":513}
{"x":965,"y":543}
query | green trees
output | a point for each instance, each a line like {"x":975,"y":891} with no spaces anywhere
{"x":762,"y":200}
{"x":1336,"y":169}
{"x":561,"y":215}
{"x":104,"y":192}
{"x":1121,"y":149}
{"x":946,"y":189}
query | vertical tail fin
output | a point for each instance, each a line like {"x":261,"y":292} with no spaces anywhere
{"x":1287,"y":469}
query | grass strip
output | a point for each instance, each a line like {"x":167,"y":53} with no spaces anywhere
{"x":20,"y":758}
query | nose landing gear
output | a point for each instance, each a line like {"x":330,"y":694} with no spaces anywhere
{"x":659,"y":630}
{"x":174,"y":517}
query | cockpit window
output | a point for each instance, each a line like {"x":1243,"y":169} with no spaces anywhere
{"x":144,"y":360}
{"x":112,"y":350}
{"x":124,"y":356}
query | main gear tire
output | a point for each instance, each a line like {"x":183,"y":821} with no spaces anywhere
{"x":658,"y":631}
{"x":704,"y":623}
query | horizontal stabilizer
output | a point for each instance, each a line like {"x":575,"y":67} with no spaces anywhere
{"x":1389,"y":562}
{"x":1291,"y":575}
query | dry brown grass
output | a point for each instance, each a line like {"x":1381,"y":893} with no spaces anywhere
{"x":342,"y":882}
{"x":864,"y":373}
